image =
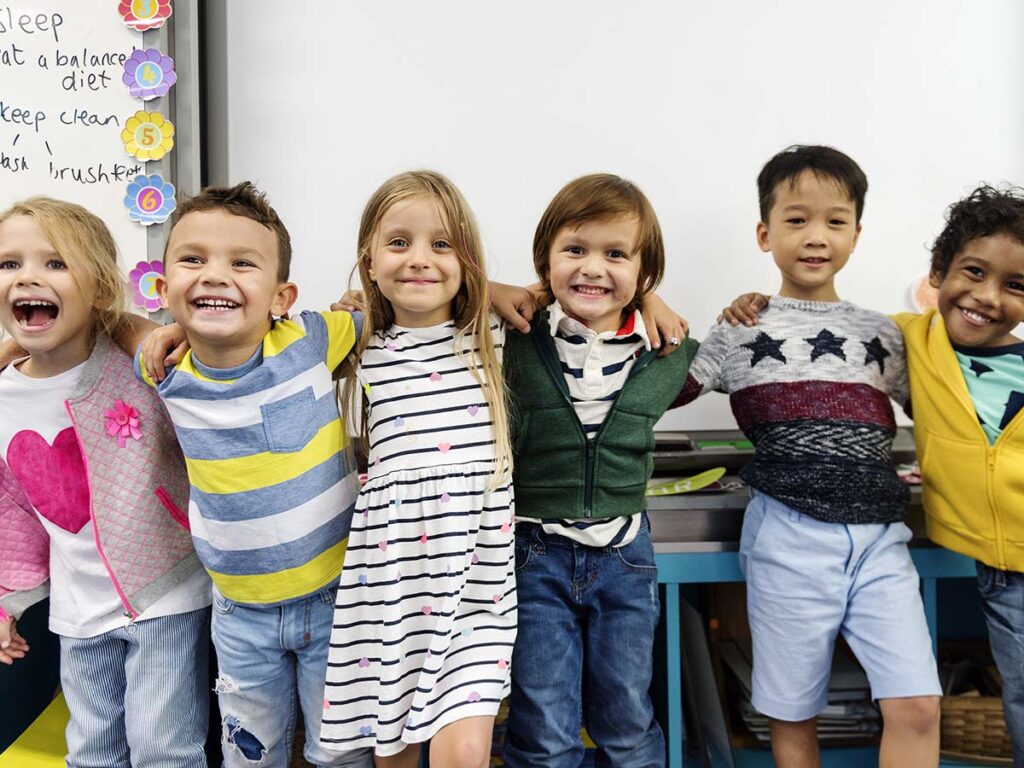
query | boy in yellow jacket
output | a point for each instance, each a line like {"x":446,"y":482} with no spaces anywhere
{"x":966,"y":370}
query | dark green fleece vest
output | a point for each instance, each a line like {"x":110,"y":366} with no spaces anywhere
{"x":559,"y":473}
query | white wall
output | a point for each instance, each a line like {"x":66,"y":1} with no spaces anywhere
{"x":687,"y":99}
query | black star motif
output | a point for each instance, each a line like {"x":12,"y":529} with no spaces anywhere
{"x":765,"y":346}
{"x":1013,"y":407}
{"x":876,"y":353}
{"x":826,"y":343}
{"x":979,"y":367}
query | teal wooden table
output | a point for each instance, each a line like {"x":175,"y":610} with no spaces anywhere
{"x":677,"y":568}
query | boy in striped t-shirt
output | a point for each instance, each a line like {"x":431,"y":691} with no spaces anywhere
{"x":273,"y":478}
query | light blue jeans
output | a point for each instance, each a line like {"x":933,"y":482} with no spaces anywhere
{"x":138,"y":694}
{"x":1002,"y":598}
{"x":269,"y":658}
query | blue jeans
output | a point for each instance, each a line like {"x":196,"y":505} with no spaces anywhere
{"x":138,"y":694}
{"x":268,"y":657}
{"x":583,"y":653}
{"x":1002,"y":599}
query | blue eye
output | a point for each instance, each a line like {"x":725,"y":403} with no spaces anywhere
{"x":440,"y":245}
{"x":56,"y":264}
{"x":575,"y":250}
{"x":617,"y":255}
{"x":398,"y":242}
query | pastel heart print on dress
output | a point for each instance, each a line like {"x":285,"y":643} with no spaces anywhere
{"x":426,"y":610}
{"x":423,"y":539}
{"x":53,"y":477}
{"x":365,"y":730}
{"x":435,"y":376}
{"x":445,"y":498}
{"x":502,"y":664}
{"x":364,"y":662}
{"x":473,"y":697}
{"x":467,"y":631}
{"x":391,"y":346}
{"x":476,"y":558}
{"x":327,"y":704}
{"x":473,"y":410}
{"x":362,"y":578}
{"x":444,"y":447}
{"x":399,"y":421}
{"x":497,"y":598}
{"x":506,"y":527}
{"x":382,"y":546}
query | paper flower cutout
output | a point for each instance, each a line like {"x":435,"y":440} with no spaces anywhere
{"x":148,"y":135}
{"x":144,"y":14}
{"x":149,"y":199}
{"x":143,"y":282}
{"x":123,"y":422}
{"x":148,"y":74}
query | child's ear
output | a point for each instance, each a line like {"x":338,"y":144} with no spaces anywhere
{"x":935,"y":279}
{"x":286,"y":295}
{"x":856,"y":237}
{"x":161,"y":289}
{"x":763,"y":241}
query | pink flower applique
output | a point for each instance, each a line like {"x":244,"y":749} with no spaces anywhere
{"x":123,"y":422}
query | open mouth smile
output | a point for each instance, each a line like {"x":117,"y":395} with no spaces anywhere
{"x":975,"y":318}
{"x":35,"y":314}
{"x":591,"y":290}
{"x":215,"y":305}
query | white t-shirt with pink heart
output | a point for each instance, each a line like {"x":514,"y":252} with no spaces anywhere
{"x":39,"y":444}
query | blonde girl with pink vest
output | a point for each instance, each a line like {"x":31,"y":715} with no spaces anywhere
{"x":92,"y":497}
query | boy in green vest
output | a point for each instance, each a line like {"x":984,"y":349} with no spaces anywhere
{"x":587,"y":389}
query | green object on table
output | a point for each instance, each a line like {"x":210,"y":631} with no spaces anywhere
{"x":686,"y":484}
{"x":739,"y":445}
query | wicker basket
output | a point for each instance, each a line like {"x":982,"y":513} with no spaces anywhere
{"x":973,"y":727}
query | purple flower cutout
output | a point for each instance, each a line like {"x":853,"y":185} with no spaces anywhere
{"x":143,"y":282}
{"x":149,"y":74}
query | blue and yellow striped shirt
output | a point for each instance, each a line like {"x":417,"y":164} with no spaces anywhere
{"x":272,"y":472}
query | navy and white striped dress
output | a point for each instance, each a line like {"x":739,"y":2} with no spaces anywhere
{"x":426,"y":613}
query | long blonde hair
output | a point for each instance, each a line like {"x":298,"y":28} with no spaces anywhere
{"x":84,"y":242}
{"x":470,"y":307}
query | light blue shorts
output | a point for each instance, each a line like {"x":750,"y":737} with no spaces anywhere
{"x":808,"y":580}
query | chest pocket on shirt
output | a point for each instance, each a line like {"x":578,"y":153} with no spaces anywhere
{"x":290,"y":423}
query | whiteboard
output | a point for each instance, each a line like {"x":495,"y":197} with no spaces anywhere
{"x":687,"y":99}
{"x":64,"y":107}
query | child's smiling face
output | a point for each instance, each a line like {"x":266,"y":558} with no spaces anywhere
{"x":981,"y":296}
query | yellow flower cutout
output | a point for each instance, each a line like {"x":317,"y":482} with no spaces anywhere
{"x":148,"y":135}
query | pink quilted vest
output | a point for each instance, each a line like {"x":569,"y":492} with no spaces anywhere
{"x":138,"y":494}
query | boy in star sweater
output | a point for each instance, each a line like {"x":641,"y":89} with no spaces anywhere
{"x":824,"y":545}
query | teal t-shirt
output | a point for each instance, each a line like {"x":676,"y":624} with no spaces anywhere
{"x":995,"y":381}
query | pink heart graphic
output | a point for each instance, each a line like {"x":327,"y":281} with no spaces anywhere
{"x":497,"y":598}
{"x":327,"y":704}
{"x":364,"y":662}
{"x":383,"y":546}
{"x":53,"y":477}
{"x":473,"y":410}
{"x":444,"y":447}
{"x":502,"y":664}
{"x":445,"y":498}
{"x":476,"y":558}
{"x":423,"y":539}
{"x":505,"y":527}
{"x":435,"y":376}
{"x":391,"y":346}
{"x":473,"y":697}
{"x":426,"y":610}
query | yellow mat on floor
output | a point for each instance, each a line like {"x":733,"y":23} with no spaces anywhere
{"x":42,"y":744}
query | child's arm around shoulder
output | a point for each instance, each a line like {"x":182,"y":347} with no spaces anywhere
{"x":343,"y":331}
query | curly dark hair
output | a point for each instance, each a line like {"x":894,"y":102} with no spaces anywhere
{"x":985,"y":212}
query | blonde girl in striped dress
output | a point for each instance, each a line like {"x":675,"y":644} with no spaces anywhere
{"x":426,"y":612}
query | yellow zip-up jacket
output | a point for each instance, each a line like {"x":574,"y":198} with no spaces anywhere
{"x":973,"y":491}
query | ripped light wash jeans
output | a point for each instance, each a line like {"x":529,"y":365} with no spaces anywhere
{"x":270,"y":659}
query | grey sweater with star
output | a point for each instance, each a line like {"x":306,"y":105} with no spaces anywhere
{"x":810,"y":386}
